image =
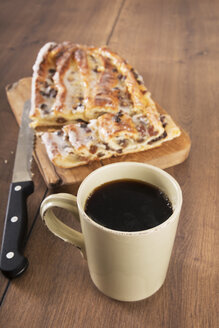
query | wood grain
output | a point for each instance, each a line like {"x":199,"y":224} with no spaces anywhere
{"x":174,"y":45}
{"x":168,"y":154}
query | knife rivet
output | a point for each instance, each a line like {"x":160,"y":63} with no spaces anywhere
{"x":14,"y":219}
{"x":9,"y":255}
{"x":17,"y":188}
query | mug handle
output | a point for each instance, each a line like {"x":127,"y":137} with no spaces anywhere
{"x":58,"y":228}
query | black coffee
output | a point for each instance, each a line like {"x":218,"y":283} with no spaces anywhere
{"x":128,"y":205}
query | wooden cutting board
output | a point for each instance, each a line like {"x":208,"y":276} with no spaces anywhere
{"x":169,"y":154}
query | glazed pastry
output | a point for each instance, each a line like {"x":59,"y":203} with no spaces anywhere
{"x":90,"y":104}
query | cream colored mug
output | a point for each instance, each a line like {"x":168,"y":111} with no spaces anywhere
{"x":127,"y":266}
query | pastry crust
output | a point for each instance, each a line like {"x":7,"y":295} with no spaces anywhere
{"x":97,"y":102}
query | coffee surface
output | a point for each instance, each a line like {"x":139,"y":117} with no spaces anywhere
{"x":128,"y":205}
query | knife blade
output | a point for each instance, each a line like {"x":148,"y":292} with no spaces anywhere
{"x":12,"y":261}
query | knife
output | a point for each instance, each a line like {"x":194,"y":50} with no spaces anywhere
{"x":12,"y":261}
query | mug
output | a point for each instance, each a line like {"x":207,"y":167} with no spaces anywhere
{"x":126,"y":266}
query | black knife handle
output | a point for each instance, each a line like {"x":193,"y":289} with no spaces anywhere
{"x":12,"y":261}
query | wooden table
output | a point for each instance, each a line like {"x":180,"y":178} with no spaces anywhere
{"x":174,"y":45}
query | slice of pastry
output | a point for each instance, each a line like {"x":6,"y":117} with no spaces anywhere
{"x":108,"y":135}
{"x":72,"y":82}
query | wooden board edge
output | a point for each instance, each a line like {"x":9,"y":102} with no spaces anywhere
{"x":21,"y":91}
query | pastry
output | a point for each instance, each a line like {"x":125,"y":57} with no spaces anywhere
{"x":90,"y":104}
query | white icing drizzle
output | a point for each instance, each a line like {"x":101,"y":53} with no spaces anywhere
{"x":42,"y":53}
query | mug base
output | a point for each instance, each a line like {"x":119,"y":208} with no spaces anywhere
{"x":127,"y":298}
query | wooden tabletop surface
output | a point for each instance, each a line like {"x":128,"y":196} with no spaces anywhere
{"x":174,"y":45}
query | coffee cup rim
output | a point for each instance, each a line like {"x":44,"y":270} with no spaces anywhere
{"x":176,"y":210}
